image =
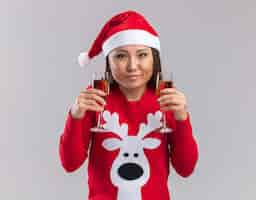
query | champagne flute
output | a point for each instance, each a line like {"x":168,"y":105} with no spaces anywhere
{"x":100,"y":81}
{"x":166,"y":82}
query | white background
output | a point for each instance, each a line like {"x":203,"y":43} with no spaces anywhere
{"x":209,"y":45}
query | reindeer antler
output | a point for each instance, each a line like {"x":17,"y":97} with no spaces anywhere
{"x":153,"y":123}
{"x":112,"y":124}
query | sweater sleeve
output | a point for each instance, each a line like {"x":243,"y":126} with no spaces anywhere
{"x":75,"y":140}
{"x":183,"y":147}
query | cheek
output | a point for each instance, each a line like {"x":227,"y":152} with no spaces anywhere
{"x":114,"y":67}
{"x":116,"y":74}
{"x":149,"y":74}
{"x":117,"y":71}
{"x":148,"y":69}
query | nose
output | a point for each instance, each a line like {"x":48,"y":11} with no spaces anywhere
{"x":132,"y":64}
{"x":130,"y":171}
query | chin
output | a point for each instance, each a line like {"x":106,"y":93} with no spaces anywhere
{"x":133,"y":85}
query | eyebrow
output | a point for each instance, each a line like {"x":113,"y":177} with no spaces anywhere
{"x":118,"y":50}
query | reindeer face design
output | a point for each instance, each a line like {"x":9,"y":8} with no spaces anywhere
{"x":131,"y":167}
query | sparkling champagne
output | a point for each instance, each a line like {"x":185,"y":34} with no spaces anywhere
{"x":101,"y":85}
{"x":161,"y":85}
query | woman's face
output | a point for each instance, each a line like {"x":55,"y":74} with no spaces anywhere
{"x":131,"y":65}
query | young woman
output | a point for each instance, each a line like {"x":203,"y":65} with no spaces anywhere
{"x":132,"y":157}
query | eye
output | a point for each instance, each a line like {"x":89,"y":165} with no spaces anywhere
{"x":120,"y":56}
{"x":136,"y":155}
{"x":143,"y":55}
{"x":126,"y":154}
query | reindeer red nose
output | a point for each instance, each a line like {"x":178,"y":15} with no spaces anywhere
{"x":130,"y":171}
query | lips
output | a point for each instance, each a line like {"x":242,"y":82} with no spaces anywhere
{"x":133,"y":76}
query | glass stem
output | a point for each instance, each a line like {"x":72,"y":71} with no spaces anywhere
{"x":164,"y":120}
{"x":99,"y":119}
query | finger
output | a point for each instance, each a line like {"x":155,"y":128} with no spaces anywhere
{"x":168,"y":91}
{"x":171,"y":91}
{"x":90,"y":102}
{"x":172,"y":107}
{"x":90,"y":105}
{"x":95,"y":91}
{"x":170,"y":97}
{"x":174,"y":100}
{"x":95,"y":108}
{"x":87,"y":101}
{"x":94,"y":97}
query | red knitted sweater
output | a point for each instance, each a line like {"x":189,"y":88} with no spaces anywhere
{"x":131,"y":161}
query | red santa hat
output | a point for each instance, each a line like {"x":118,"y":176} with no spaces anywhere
{"x":125,"y":28}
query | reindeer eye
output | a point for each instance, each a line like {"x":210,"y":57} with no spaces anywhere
{"x":126,"y":154}
{"x":136,"y":155}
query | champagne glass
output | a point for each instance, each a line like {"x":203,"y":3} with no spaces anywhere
{"x":166,"y":82}
{"x":100,"y":81}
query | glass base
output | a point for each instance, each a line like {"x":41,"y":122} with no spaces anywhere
{"x":165,"y":130}
{"x":96,"y":129}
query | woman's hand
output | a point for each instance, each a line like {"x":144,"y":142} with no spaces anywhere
{"x":88,"y":99}
{"x":172,"y":99}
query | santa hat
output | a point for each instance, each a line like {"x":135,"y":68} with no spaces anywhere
{"x":125,"y":28}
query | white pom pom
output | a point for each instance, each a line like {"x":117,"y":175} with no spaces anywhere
{"x":83,"y":59}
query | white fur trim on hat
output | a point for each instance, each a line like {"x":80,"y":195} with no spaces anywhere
{"x":83,"y":59}
{"x":133,"y":36}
